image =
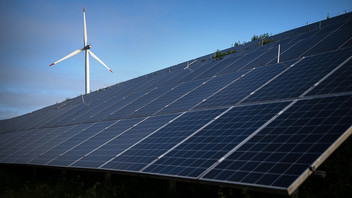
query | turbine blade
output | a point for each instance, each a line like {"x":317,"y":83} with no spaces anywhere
{"x":94,"y":56}
{"x":68,"y":56}
{"x":84,"y":28}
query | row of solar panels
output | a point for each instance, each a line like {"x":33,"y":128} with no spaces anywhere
{"x":275,"y":142}
{"x":221,"y":121}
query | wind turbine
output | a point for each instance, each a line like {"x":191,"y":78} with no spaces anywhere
{"x":86,"y":48}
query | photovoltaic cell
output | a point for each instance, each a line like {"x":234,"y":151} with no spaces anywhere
{"x":201,"y":93}
{"x":142,"y":101}
{"x":5,"y":139}
{"x":15,"y":152}
{"x":331,"y":42}
{"x":120,"y":143}
{"x":42,"y":144}
{"x":202,"y":150}
{"x":261,"y":60}
{"x":301,"y":47}
{"x":100,"y":138}
{"x":152,"y":147}
{"x":194,"y":74}
{"x":45,"y":154}
{"x":243,"y":61}
{"x":243,"y":87}
{"x":58,"y":150}
{"x":307,"y":34}
{"x":168,"y":98}
{"x":282,"y":151}
{"x":113,"y":107}
{"x":21,"y":137}
{"x":9,"y":139}
{"x":218,"y":66}
{"x":328,"y":28}
{"x":340,"y":81}
{"x":300,"y":77}
{"x":347,"y":43}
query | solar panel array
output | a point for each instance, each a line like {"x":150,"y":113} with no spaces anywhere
{"x":245,"y":120}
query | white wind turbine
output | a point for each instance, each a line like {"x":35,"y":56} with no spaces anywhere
{"x":86,"y":48}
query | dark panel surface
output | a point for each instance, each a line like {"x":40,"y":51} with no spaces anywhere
{"x":92,"y":143}
{"x":243,"y":87}
{"x":202,"y":150}
{"x":283,"y":150}
{"x":300,"y":77}
{"x":340,"y":81}
{"x":42,"y":154}
{"x":123,"y":141}
{"x":201,"y":93}
{"x":149,"y":149}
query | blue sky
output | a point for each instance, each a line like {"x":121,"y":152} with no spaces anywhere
{"x":132,"y":37}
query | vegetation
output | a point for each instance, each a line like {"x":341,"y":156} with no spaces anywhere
{"x":262,"y":36}
{"x":219,"y":55}
{"x":269,"y":40}
{"x":307,"y":27}
{"x":239,"y":43}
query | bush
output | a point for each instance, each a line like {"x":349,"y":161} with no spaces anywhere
{"x":218,"y":55}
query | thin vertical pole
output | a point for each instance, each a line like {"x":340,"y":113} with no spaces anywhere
{"x":87,"y":73}
{"x":278,"y":54}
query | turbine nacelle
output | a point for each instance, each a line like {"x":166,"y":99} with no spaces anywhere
{"x":87,"y":47}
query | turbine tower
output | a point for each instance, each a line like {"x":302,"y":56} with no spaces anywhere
{"x":86,"y":48}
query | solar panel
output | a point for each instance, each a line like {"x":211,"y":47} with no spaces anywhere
{"x":203,"y":149}
{"x":110,"y":108}
{"x":139,"y":103}
{"x":284,"y":150}
{"x":17,"y":149}
{"x":194,"y":74}
{"x":298,"y":49}
{"x":338,"y":82}
{"x":62,"y":147}
{"x":196,"y":96}
{"x":45,"y":152}
{"x":20,"y":137}
{"x":331,"y":42}
{"x":244,"y":60}
{"x":219,"y":65}
{"x":140,"y":155}
{"x":262,"y":59}
{"x":300,"y":76}
{"x":241,"y":88}
{"x":168,"y":98}
{"x":124,"y":140}
{"x":88,"y":145}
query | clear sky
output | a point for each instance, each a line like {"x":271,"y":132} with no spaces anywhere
{"x":132,"y":37}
